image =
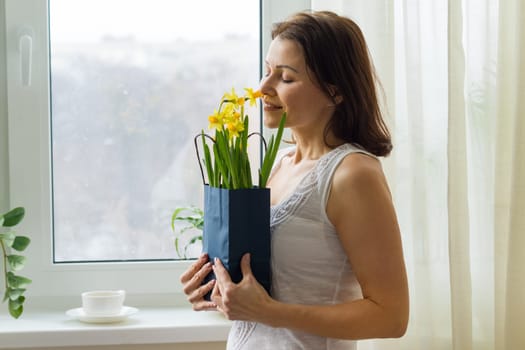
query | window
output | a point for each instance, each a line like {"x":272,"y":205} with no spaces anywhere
{"x":133,"y":87}
{"x":62,"y":124}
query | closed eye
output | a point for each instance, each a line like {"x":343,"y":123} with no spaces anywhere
{"x":285,"y":78}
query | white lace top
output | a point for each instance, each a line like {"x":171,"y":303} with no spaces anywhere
{"x":309,"y":265}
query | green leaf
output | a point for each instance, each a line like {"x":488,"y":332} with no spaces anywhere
{"x":13,"y":293}
{"x":207,"y":160}
{"x":8,"y":238}
{"x":196,"y":220}
{"x":224,"y":155}
{"x":16,"y":282}
{"x":193,"y":220}
{"x":184,"y":229}
{"x":16,"y":307}
{"x":271,"y":153}
{"x":192,"y":241}
{"x":195,"y":239}
{"x":2,"y":220}
{"x":20,"y":243}
{"x":177,"y":245}
{"x":175,"y":215}
{"x":222,"y":168}
{"x":13,"y":217}
{"x":16,"y":262}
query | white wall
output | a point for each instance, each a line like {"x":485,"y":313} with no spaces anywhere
{"x":180,"y":346}
{"x":4,"y":167}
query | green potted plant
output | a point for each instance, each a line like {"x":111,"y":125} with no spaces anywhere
{"x":15,"y":285}
{"x":186,"y":236}
{"x":236,"y":208}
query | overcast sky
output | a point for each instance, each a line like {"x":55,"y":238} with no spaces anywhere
{"x":152,"y":20}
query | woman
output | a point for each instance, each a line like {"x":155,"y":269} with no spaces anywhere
{"x":337,"y":260}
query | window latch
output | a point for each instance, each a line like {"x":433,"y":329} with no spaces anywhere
{"x":25,"y":48}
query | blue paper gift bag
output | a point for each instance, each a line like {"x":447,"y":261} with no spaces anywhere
{"x":238,"y":222}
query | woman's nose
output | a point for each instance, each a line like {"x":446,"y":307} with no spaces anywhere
{"x":265,"y":87}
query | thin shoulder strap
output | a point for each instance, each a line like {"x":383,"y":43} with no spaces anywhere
{"x":280,"y":155}
{"x":326,"y":174}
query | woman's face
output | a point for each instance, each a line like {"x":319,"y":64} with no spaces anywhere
{"x":288,"y":87}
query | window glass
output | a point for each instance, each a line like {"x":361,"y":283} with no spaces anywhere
{"x":132,"y":81}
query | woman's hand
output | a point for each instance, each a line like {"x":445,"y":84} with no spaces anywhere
{"x":192,"y":280}
{"x":246,"y":300}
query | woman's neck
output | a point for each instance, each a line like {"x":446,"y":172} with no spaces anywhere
{"x":313,"y":147}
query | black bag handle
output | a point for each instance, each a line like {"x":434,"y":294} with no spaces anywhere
{"x":212,"y":140}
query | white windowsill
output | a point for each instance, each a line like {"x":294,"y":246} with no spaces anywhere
{"x":45,"y":328}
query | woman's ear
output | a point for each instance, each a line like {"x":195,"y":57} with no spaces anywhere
{"x":337,"y":99}
{"x":334,"y":95}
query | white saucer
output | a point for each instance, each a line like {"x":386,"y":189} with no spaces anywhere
{"x":79,"y":314}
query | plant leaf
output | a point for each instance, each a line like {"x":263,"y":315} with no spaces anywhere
{"x":16,"y":307}
{"x":195,"y":239}
{"x":195,"y":220}
{"x":222,"y":167}
{"x":207,"y":161}
{"x":184,"y":229}
{"x":13,"y":217}
{"x":192,"y":241}
{"x":20,"y":243}
{"x":8,"y":238}
{"x":16,"y":282}
{"x":177,"y":246}
{"x":271,"y":153}
{"x":13,"y":293}
{"x":175,"y":215}
{"x":16,"y":262}
{"x":209,"y":168}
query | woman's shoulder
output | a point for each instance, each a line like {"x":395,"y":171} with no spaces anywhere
{"x":358,"y":168}
{"x":358,"y":183}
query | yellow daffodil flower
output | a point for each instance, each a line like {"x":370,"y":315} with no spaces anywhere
{"x":232,"y":97}
{"x":234,"y":128}
{"x":215,"y":120}
{"x":253,"y":95}
{"x":227,"y":112}
{"x":227,"y":159}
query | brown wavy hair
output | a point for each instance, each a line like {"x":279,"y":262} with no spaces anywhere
{"x":335,"y":51}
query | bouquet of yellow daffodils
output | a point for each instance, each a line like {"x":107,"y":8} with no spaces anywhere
{"x":229,"y":167}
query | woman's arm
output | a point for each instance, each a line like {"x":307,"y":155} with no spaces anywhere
{"x":361,"y":209}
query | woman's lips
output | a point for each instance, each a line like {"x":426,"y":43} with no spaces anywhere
{"x":271,"y":107}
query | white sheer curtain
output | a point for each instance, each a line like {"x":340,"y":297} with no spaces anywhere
{"x":454,"y":76}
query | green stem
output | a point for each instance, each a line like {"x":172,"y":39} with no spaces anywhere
{"x":5,"y":263}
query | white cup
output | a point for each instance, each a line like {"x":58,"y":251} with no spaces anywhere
{"x":103,"y":302}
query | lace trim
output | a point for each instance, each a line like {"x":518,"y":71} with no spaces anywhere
{"x":284,"y":210}
{"x":239,"y":334}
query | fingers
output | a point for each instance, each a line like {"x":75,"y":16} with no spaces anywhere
{"x":215,"y":292}
{"x":199,"y":293}
{"x":196,"y":280}
{"x":204,"y":305}
{"x":245,"y":265}
{"x":196,"y":298}
{"x":221,"y":273}
{"x":192,"y":284}
{"x":216,"y":298}
{"x":194,"y":268}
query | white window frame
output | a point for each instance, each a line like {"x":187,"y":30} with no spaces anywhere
{"x":29,"y":166}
